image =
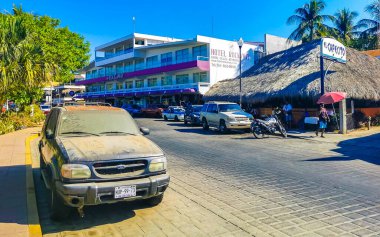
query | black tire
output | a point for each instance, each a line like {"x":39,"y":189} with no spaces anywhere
{"x":257,"y":132}
{"x":176,"y":118}
{"x":154,"y":201}
{"x":58,"y":210}
{"x":282,"y":130}
{"x":205,"y":124}
{"x":222,"y":126}
{"x":165,"y":118}
{"x":185,"y":121}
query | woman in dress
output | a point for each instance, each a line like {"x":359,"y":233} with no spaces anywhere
{"x":323,"y":120}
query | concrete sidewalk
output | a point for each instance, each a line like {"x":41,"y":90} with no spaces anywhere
{"x":13,"y":198}
{"x":333,"y":137}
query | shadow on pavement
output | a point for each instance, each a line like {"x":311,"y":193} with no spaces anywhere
{"x":364,"y":148}
{"x":94,"y":215}
{"x":13,"y":195}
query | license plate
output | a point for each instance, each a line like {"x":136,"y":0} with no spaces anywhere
{"x":125,"y":191}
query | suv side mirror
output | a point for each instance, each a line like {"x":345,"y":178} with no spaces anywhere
{"x":49,"y":134}
{"x":144,"y":130}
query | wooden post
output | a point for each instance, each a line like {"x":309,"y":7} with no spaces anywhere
{"x":342,"y":116}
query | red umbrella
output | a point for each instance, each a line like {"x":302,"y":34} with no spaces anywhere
{"x":331,"y":97}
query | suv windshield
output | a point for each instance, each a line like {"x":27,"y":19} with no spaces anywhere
{"x":97,"y":122}
{"x":229,"y":108}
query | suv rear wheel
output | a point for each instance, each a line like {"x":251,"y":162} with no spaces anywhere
{"x":205,"y":124}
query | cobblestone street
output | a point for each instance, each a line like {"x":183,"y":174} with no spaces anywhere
{"x":235,"y":185}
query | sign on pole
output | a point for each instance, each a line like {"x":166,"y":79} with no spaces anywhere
{"x":333,"y":50}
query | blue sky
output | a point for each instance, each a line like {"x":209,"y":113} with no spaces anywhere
{"x":100,"y":21}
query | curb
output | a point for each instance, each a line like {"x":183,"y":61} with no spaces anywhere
{"x":31,"y":203}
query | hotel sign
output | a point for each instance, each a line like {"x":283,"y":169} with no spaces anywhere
{"x":115,"y":77}
{"x":333,"y":50}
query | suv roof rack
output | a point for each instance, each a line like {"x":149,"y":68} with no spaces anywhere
{"x":86,"y":104}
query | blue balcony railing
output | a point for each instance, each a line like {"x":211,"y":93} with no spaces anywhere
{"x":111,"y":55}
{"x":140,"y":67}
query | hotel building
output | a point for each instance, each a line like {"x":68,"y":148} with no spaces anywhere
{"x":145,"y":69}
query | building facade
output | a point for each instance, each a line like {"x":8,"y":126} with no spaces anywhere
{"x":145,"y":69}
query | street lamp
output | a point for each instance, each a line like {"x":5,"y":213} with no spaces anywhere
{"x":240,"y":43}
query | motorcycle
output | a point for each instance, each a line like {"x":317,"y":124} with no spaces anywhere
{"x":268,"y":126}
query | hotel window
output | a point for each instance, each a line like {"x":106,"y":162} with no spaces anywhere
{"x":182,"y":55}
{"x":109,"y":71}
{"x":139,"y":83}
{"x":128,"y":67}
{"x":152,"y":82}
{"x":128,"y":84}
{"x":119,"y":86}
{"x":200,"y":51}
{"x":109,"y":87}
{"x":200,"y":77}
{"x":88,"y":75}
{"x":166,"y":59}
{"x":101,"y":72}
{"x":152,"y":61}
{"x":165,"y":81}
{"x":182,"y":79}
{"x":119,"y":68}
{"x":101,"y":88}
{"x":139,"y":64}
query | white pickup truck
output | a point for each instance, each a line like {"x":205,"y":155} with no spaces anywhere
{"x":176,"y":113}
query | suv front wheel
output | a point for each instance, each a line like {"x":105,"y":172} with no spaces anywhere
{"x":154,"y":201}
{"x":58,"y":210}
{"x":205,"y":124}
{"x":222,"y":126}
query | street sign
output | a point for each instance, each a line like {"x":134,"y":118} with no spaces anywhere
{"x":333,"y":50}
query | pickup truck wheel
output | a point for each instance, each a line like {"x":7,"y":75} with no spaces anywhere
{"x":58,"y":210}
{"x":154,"y":201}
{"x":165,"y":118}
{"x":176,"y":118}
{"x":205,"y":124}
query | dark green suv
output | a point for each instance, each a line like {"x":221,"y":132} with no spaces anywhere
{"x":92,"y":155}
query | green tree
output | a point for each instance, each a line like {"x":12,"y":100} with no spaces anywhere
{"x":35,"y":50}
{"x":345,"y":29}
{"x":371,"y":26}
{"x":310,"y":21}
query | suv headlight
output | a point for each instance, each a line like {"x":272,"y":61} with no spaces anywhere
{"x":75,"y":171}
{"x":158,"y":164}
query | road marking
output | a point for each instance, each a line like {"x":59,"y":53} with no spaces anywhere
{"x":33,"y":218}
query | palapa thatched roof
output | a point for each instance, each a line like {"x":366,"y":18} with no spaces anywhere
{"x":296,"y":73}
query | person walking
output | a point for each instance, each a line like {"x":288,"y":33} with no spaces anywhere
{"x":323,"y":120}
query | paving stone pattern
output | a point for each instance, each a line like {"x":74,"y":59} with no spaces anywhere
{"x":233,"y":185}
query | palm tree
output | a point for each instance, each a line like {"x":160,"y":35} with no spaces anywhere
{"x":310,"y":21}
{"x":372,"y":26}
{"x":344,"y":27}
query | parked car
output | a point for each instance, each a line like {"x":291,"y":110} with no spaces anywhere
{"x":45,"y":108}
{"x":93,"y":155}
{"x":132,"y":109}
{"x":153,"y":110}
{"x":192,"y":114}
{"x":177,"y":113}
{"x":225,"y":116}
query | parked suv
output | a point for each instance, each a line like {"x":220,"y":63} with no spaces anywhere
{"x":92,"y":155}
{"x":225,"y":116}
